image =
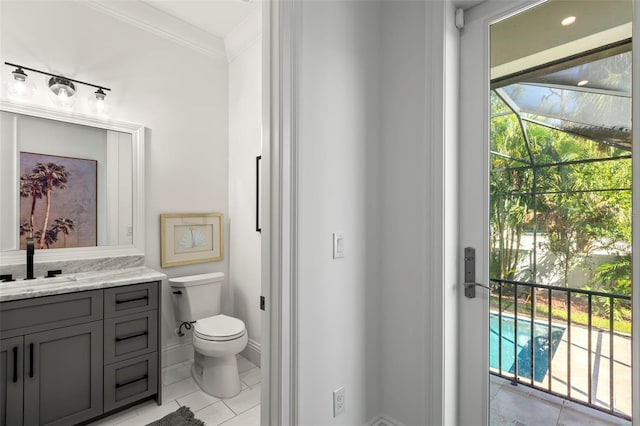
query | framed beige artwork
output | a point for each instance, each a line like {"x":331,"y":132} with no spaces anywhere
{"x":191,"y":238}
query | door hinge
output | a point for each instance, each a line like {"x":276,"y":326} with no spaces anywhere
{"x":262,"y":303}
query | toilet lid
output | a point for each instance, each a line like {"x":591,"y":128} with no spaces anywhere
{"x":219,"y":327}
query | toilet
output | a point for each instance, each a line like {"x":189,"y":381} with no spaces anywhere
{"x":217,"y":338}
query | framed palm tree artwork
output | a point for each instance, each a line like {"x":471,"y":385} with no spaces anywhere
{"x":58,"y":201}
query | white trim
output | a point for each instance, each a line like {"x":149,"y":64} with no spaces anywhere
{"x":162,"y":24}
{"x":177,"y":353}
{"x":384,"y":420}
{"x":635,"y":363}
{"x":279,"y":236}
{"x":112,"y":188}
{"x":138,"y":206}
{"x":252,"y":352}
{"x":244,"y":36}
{"x":441,"y":121}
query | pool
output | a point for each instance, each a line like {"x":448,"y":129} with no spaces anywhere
{"x":540,"y":347}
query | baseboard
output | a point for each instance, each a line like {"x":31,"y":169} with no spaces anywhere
{"x":383,"y":420}
{"x":175,"y":354}
{"x":182,"y":352}
{"x":252,"y":352}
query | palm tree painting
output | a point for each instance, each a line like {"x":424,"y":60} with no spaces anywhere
{"x":58,"y":201}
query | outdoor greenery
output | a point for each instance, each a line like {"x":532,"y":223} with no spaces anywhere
{"x":620,"y":325}
{"x":569,"y":194}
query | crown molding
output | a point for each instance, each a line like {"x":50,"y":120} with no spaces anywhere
{"x":162,"y":24}
{"x":245,"y":35}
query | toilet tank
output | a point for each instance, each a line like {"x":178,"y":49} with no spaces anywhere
{"x":196,"y":296}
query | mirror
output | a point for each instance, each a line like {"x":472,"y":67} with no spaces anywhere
{"x":74,"y":183}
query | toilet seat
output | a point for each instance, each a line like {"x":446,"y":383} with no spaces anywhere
{"x":219,"y":328}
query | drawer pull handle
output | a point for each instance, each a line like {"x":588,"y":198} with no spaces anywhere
{"x":15,"y":364}
{"x":119,"y":385}
{"x":132,"y":336}
{"x":30,"y":359}
{"x":132,"y":300}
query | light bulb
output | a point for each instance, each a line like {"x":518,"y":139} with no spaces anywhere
{"x":98,"y":103}
{"x":62,"y":92}
{"x":19,"y":88}
{"x":568,"y":21}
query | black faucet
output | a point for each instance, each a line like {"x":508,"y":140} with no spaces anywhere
{"x":30,"y":252}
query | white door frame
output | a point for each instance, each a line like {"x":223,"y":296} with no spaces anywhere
{"x":474,"y":87}
{"x":636,"y":214}
{"x":280,"y":213}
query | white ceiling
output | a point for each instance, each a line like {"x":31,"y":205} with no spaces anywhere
{"x":536,"y":36}
{"x":216,"y":17}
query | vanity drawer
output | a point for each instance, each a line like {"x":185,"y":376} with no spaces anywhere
{"x":129,"y":299}
{"x":130,"y":335}
{"x":49,"y":312}
{"x":129,"y":381}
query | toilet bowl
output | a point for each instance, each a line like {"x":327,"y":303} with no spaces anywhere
{"x":217,"y":338}
{"x":216,"y":342}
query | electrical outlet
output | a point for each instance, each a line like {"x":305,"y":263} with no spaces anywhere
{"x":338,"y":401}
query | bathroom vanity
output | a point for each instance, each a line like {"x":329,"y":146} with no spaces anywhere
{"x":73,"y":348}
{"x":83,"y":344}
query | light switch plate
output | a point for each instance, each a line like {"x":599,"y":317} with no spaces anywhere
{"x":338,"y":245}
{"x":339,"y":403}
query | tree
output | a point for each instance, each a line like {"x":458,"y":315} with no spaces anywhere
{"x":31,"y":186}
{"x":64,"y":225}
{"x":541,"y":184}
{"x":51,"y":176}
{"x":509,"y":211}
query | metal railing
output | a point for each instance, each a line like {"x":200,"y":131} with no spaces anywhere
{"x":540,"y":348}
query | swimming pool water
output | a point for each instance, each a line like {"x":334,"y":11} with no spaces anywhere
{"x":541,"y":345}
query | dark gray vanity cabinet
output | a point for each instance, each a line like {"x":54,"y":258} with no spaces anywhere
{"x":63,"y":375}
{"x":68,"y":358}
{"x":54,"y":350}
{"x":130,"y":344}
{"x":11,"y":381}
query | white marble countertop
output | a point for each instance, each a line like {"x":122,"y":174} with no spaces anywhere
{"x":80,"y":281}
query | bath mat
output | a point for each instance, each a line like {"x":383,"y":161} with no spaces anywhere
{"x":183,"y":416}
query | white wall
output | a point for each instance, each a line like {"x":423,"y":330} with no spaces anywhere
{"x":378,"y":144}
{"x":404,"y":212}
{"x":179,"y":95}
{"x":338,"y":299}
{"x":244,"y":47}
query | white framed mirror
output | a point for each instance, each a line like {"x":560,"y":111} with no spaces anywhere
{"x":112,"y":155}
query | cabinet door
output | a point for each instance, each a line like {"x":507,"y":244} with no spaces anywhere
{"x":63,"y":375}
{"x":11,"y":381}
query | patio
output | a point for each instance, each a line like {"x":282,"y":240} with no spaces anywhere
{"x":524,"y":406}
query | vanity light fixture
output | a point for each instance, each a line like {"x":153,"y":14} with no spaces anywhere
{"x":98,"y":103}
{"x":62,"y":90}
{"x":19,"y":88}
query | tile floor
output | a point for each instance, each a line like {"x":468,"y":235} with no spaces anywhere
{"x":524,"y":406}
{"x":179,"y":389}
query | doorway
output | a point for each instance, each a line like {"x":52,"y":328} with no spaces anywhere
{"x":547,"y":326}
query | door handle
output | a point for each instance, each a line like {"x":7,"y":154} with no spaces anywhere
{"x":470,"y":283}
{"x":30,"y":359}
{"x":15,"y":364}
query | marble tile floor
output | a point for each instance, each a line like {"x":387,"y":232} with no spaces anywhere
{"x":524,"y":406}
{"x":180,"y":389}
